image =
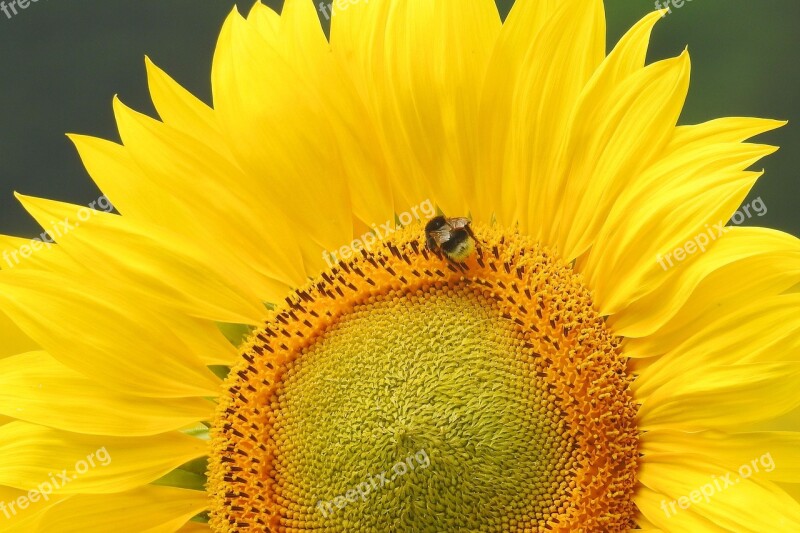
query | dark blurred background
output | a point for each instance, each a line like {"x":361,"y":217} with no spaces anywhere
{"x":61,"y":63}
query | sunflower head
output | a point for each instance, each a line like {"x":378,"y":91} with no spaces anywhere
{"x":274,"y":335}
{"x":499,"y":372}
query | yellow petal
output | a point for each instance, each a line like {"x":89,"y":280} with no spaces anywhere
{"x":628,"y":56}
{"x":182,"y":110}
{"x":612,"y":121}
{"x":790,"y":421}
{"x":730,"y":501}
{"x":104,"y":333}
{"x":352,"y":128}
{"x":722,"y":130}
{"x":555,"y":69}
{"x":268,"y":22}
{"x":692,"y":187}
{"x":116,"y":173}
{"x":439,"y":127}
{"x":566,"y":54}
{"x":722,"y":397}
{"x":298,"y":35}
{"x":792,"y":489}
{"x":195,"y":527}
{"x":743,"y":264}
{"x":21,"y":253}
{"x":21,"y":511}
{"x":771,"y":455}
{"x":36,"y":388}
{"x":765,"y":330}
{"x":618,"y":129}
{"x":519,"y":31}
{"x":150,"y":260}
{"x":36,"y":457}
{"x":645,"y":525}
{"x":662,"y":227}
{"x":14,"y":339}
{"x":147,"y":509}
{"x":656,"y":507}
{"x":214,"y":189}
{"x":202,"y":337}
{"x":277,"y":130}
{"x":422,"y":93}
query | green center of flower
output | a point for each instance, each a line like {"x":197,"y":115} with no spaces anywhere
{"x":426,"y":398}
{"x":403,"y":392}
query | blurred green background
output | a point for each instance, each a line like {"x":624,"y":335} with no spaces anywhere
{"x":61,"y":63}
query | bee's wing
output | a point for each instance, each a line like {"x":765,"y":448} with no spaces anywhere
{"x":442,"y":234}
{"x":463,"y":222}
{"x":434,"y":238}
{"x":458,"y":222}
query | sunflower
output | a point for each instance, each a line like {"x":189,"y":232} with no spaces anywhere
{"x":437,"y":273}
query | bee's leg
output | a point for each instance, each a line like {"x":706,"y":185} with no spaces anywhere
{"x":430,"y":244}
{"x":437,"y":251}
{"x":472,"y":234}
{"x":456,"y":264}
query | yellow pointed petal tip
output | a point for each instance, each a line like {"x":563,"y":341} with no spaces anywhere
{"x":121,"y":110}
{"x":154,"y":72}
{"x":770,"y":124}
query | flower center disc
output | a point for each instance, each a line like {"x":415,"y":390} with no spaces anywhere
{"x":400,"y":392}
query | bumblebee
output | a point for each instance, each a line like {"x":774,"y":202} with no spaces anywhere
{"x":452,"y":236}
